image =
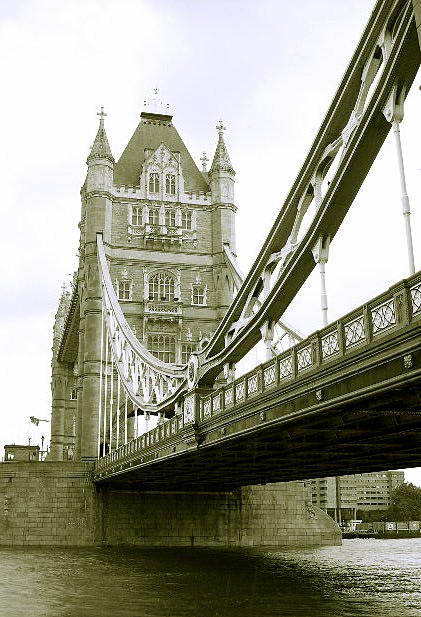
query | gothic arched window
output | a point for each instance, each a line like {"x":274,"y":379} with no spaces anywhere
{"x":170,"y":184}
{"x":153,"y":218}
{"x":161,"y":287}
{"x":154,"y":182}
{"x":170,"y":218}
{"x":198,"y":296}
{"x":136,"y":215}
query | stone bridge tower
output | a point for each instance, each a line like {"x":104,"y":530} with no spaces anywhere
{"x":166,"y":226}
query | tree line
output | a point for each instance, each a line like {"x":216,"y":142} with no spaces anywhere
{"x":405,"y":505}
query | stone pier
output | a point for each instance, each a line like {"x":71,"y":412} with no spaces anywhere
{"x":52,"y":503}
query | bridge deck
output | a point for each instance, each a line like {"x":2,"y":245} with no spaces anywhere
{"x":347,"y":401}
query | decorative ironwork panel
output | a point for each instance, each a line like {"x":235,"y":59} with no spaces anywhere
{"x":383,"y":316}
{"x":188,"y":412}
{"x":239,"y":391}
{"x":285,"y":367}
{"x":416,"y":298}
{"x":252,"y":384}
{"x":228,"y":396}
{"x":207,"y":408}
{"x":269,"y":375}
{"x":330,"y":344}
{"x":216,"y":403}
{"x":304,"y":357}
{"x":354,"y":331}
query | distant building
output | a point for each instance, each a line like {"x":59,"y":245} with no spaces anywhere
{"x":342,"y":496}
{"x":15,"y":452}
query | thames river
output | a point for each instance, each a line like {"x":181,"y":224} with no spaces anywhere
{"x":372,"y":578}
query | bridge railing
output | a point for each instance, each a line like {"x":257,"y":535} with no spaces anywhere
{"x":392,"y":310}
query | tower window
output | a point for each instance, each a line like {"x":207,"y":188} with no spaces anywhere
{"x":161,"y":287}
{"x":153,"y":217}
{"x":186,"y":351}
{"x":198,"y":295}
{"x":124,"y":290}
{"x":136,"y":215}
{"x":154,"y":182}
{"x":163,"y":347}
{"x":170,"y":184}
{"x":170,"y":218}
{"x":187,"y":219}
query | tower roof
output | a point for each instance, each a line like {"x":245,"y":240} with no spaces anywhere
{"x":221,"y":160}
{"x":152,"y":130}
{"x":101,"y":147}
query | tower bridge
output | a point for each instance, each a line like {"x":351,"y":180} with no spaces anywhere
{"x":159,"y":317}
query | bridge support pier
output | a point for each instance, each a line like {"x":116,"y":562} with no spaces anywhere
{"x":56,"y":504}
{"x":272,"y":515}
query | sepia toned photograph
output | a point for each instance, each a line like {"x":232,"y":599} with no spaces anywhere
{"x":211,"y":308}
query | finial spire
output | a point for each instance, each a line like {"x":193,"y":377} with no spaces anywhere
{"x":101,"y":147}
{"x":220,"y":128}
{"x":204,"y":160}
{"x":221,"y":160}
{"x":101,"y":114}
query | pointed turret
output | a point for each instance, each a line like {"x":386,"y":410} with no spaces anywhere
{"x":100,"y":160}
{"x":101,"y":148}
{"x":221,"y":180}
{"x":221,"y":161}
{"x":221,"y":173}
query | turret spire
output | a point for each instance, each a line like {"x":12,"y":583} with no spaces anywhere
{"x":221,"y":160}
{"x":101,"y":147}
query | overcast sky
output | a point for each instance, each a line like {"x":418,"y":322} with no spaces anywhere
{"x":269,"y":69}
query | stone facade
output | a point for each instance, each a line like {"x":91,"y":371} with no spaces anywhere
{"x":272,"y":515}
{"x":56,"y":504}
{"x":51,"y":504}
{"x":165,"y":226}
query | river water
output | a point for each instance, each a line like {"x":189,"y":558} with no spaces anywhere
{"x":375,"y":578}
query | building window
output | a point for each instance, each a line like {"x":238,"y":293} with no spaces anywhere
{"x":154,"y":182}
{"x":163,"y":347}
{"x":153,"y":217}
{"x":186,"y":351}
{"x":136,"y":215}
{"x":124,"y":290}
{"x":161,"y":287}
{"x":187,"y":219}
{"x":73,"y":394}
{"x":170,"y":184}
{"x":198,"y":297}
{"x":170,"y":218}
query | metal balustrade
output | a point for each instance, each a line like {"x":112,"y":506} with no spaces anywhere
{"x":384,"y":315}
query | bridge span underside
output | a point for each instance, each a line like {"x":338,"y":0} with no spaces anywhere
{"x":344,"y":441}
{"x":359,"y":413}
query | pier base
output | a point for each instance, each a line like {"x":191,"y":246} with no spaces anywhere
{"x":56,"y":503}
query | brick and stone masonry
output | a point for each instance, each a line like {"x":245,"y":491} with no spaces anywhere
{"x":56,"y":504}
